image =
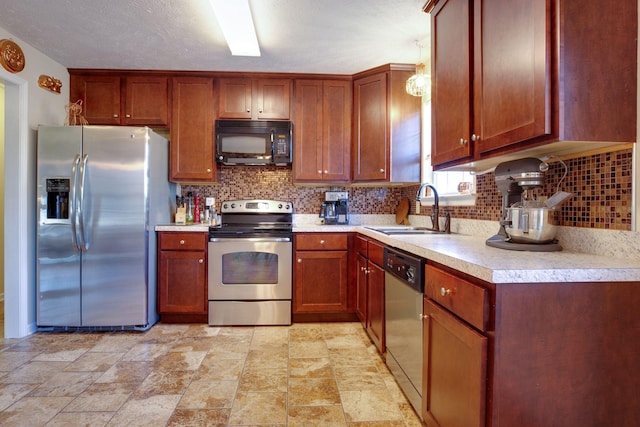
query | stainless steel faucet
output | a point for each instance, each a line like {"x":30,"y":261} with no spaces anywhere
{"x":435,"y":213}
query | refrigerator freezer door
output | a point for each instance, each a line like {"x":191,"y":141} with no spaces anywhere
{"x":115,"y":216}
{"x":58,"y":262}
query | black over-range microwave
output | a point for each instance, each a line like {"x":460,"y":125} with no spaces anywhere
{"x":253,"y":142}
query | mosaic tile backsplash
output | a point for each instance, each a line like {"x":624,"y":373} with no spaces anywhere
{"x":601,"y":187}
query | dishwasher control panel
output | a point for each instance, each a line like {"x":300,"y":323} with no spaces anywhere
{"x":407,"y":267}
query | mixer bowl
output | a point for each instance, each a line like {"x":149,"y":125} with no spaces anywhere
{"x":529,"y":225}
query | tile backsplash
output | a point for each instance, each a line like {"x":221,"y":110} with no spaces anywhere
{"x":601,"y":187}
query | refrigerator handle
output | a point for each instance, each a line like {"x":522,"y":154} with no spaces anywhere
{"x":73,"y":203}
{"x":84,"y":244}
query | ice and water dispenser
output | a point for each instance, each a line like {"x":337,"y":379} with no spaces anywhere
{"x":57,"y":199}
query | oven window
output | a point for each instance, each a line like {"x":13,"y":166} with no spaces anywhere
{"x":249,"y":268}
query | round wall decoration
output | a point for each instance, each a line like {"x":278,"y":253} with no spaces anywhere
{"x":11,"y":56}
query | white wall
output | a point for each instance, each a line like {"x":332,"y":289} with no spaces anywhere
{"x":26,"y":107}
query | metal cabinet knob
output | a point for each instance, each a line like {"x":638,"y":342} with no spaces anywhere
{"x":128,"y":116}
{"x":381,"y":170}
{"x":475,"y":137}
{"x":182,"y":242}
{"x":248,"y":110}
{"x":208,"y":170}
{"x":322,"y":242}
{"x":423,"y":316}
{"x":260,"y":111}
{"x":319,"y":171}
{"x":463,"y":141}
{"x":115,"y":116}
{"x":201,"y":261}
{"x":299,"y":260}
{"x":326,"y":171}
{"x":444,"y":292}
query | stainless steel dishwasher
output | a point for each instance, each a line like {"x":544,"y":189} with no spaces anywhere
{"x":404,"y":289}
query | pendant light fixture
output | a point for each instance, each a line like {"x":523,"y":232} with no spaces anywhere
{"x":419,"y":84}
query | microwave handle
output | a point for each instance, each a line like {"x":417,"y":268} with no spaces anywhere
{"x":273,"y":145}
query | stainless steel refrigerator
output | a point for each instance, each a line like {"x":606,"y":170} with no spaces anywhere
{"x":101,"y":191}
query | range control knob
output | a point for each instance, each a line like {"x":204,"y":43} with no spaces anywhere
{"x":280,"y":206}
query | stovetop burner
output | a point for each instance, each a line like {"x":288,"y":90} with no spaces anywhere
{"x":254,"y":218}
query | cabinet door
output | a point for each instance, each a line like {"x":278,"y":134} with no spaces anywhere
{"x":234,"y":98}
{"x":361,"y":289}
{"x":323,"y":131}
{"x":454,"y":371}
{"x":371,"y":132}
{"x":451,"y":91}
{"x":336,"y":129}
{"x":375,"y":306}
{"x":512,"y":68}
{"x":308,"y":151}
{"x":100,"y":97}
{"x":273,"y":99}
{"x":191,"y":145}
{"x":320,"y":282}
{"x":182,"y":282}
{"x":147,"y":101}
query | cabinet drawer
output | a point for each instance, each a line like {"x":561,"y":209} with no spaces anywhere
{"x":322,"y":241}
{"x":182,"y":241}
{"x":468,"y":301}
{"x":376,"y":253}
{"x":361,"y":246}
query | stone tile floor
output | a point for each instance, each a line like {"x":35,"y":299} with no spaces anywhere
{"x":319,"y":374}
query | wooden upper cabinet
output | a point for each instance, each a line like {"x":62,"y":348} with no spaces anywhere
{"x":451,"y":73}
{"x":146,"y":101}
{"x":322,"y":115}
{"x":100,"y":96}
{"x":246,"y":98}
{"x":370,"y":151}
{"x":122,"y":100}
{"x":597,"y":71}
{"x":509,"y":76}
{"x":512,"y":66}
{"x":191,"y":148}
{"x":386,"y":127}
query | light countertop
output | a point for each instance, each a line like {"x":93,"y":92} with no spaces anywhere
{"x":469,"y":254}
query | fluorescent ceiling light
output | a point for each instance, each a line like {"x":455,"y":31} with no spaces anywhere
{"x":234,"y":17}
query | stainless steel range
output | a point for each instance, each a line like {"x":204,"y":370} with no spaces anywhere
{"x":250,"y":257}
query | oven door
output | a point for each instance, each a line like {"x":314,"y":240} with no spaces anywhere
{"x":250,"y":269}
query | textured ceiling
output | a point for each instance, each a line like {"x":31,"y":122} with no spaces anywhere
{"x":304,"y":36}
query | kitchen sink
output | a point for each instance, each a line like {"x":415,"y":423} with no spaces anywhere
{"x":395,"y":230}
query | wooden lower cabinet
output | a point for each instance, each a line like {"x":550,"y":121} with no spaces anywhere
{"x":182,"y":276}
{"x":370,"y":289}
{"x":529,"y":354}
{"x":361,"y":288}
{"x":321,"y":290}
{"x":375,"y":306}
{"x":321,"y":281}
{"x":454,"y":371}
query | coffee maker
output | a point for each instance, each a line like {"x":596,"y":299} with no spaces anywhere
{"x":515,"y":179}
{"x":335,"y":209}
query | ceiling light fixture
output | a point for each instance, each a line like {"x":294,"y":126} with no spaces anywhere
{"x":236,"y":22}
{"x":419,"y":84}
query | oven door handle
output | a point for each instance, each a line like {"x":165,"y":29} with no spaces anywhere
{"x":249,"y":239}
